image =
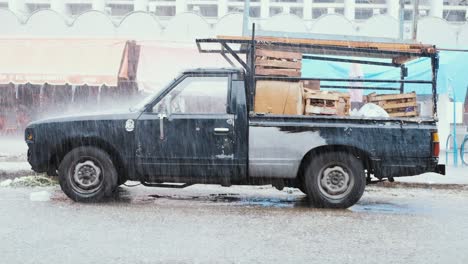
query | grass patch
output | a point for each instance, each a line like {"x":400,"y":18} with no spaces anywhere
{"x":31,"y":181}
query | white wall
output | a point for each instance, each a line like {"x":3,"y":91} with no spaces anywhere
{"x":445,"y":113}
{"x":437,"y":31}
{"x":333,"y":24}
{"x":46,"y":23}
{"x":93,"y":24}
{"x":284,"y":22}
{"x":141,"y":26}
{"x":373,"y":27}
{"x":10,"y":23}
{"x":185,"y":27}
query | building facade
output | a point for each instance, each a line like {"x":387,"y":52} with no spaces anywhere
{"x":440,"y":22}
{"x":454,"y":11}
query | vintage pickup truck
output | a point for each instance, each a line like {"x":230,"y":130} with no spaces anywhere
{"x":201,"y":129}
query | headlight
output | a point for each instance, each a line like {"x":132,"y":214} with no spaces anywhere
{"x":29,"y":135}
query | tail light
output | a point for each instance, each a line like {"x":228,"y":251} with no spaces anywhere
{"x":435,"y":144}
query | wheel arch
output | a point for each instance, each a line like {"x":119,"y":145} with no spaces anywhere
{"x":66,"y":145}
{"x":357,"y":152}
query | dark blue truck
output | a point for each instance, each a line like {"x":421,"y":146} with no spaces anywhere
{"x":201,"y":129}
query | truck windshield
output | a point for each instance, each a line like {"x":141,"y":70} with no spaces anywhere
{"x":150,"y":98}
{"x":141,"y":105}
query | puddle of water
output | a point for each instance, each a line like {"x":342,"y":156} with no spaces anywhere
{"x":237,"y":200}
{"x":122,"y":195}
{"x":378,"y":207}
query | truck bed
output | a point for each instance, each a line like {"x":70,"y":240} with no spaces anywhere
{"x":390,"y":147}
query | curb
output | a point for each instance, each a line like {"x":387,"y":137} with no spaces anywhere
{"x":419,"y":185}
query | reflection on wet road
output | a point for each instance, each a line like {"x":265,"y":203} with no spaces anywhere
{"x":294,"y":199}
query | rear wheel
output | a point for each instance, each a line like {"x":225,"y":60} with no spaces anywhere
{"x":302,"y":188}
{"x":334,"y":180}
{"x":87,"y":174}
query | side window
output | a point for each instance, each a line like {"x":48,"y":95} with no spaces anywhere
{"x":205,"y":95}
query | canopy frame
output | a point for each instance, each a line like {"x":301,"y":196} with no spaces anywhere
{"x":399,"y":53}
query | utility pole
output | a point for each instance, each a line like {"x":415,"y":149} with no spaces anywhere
{"x":245,"y":20}
{"x":415,"y":18}
{"x":402,"y":18}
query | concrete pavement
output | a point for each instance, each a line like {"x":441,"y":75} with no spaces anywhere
{"x":240,"y":224}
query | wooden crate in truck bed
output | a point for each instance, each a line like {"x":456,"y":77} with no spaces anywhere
{"x":396,"y":105}
{"x":278,"y":63}
{"x":326,"y":103}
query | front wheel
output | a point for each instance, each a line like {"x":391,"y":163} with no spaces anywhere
{"x":334,"y":180}
{"x":87,"y":174}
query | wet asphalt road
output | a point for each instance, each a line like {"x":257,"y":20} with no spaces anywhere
{"x":212,"y":224}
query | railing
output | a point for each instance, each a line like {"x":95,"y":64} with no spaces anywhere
{"x":464,"y":151}
{"x":454,"y":151}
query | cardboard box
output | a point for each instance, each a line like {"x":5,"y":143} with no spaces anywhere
{"x":282,"y":98}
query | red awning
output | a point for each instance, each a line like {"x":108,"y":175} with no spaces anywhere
{"x":60,"y":61}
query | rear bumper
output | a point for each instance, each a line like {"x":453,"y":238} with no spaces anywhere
{"x":407,"y":167}
{"x":440,"y":168}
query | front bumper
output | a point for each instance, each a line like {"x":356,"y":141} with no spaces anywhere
{"x":38,"y":158}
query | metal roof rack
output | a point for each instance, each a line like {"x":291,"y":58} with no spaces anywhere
{"x":320,"y":48}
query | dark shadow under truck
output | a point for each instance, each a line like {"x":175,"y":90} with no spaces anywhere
{"x":201,"y":129}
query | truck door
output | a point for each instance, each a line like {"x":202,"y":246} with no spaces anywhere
{"x":189,"y":132}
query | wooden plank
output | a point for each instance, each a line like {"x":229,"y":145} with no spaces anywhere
{"x":339,"y":94}
{"x":392,"y":97}
{"x":277,"y":69}
{"x":322,"y":96}
{"x":399,"y":105}
{"x":318,"y":110}
{"x":403,"y":114}
{"x":311,"y":85}
{"x":413,"y":47}
{"x":279,"y":64}
{"x":402,"y":59}
{"x":279,"y":72}
{"x":279,"y":54}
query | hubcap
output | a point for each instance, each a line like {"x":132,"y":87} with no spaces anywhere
{"x":334,"y":182}
{"x":87,"y":175}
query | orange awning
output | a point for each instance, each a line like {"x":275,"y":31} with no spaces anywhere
{"x":60,"y":61}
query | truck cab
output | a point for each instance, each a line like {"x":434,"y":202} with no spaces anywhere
{"x":196,"y":129}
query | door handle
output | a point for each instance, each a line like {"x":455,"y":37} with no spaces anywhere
{"x":161,"y":126}
{"x":221,"y":130}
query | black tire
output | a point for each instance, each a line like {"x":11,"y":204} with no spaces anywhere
{"x":302,"y":188}
{"x":95,"y":179}
{"x":334,"y":180}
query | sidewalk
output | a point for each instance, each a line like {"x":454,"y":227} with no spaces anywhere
{"x":453,"y":175}
{"x":13,"y":160}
